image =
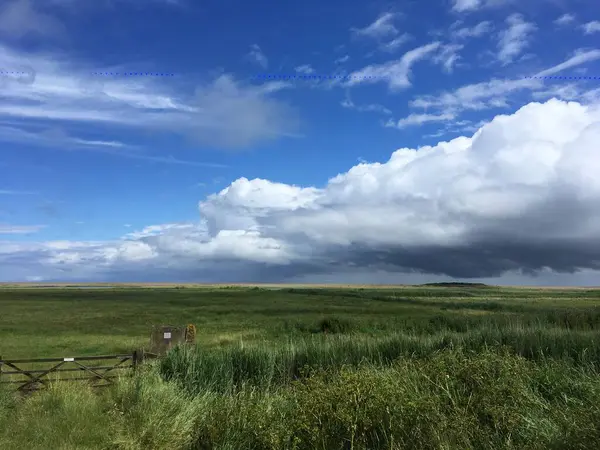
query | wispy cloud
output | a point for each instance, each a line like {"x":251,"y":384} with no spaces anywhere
{"x":381,"y":28}
{"x":567,"y":92}
{"x":394,"y":73}
{"x":448,"y":56}
{"x":395,"y":43}
{"x":305,"y":69}
{"x":164,"y":159}
{"x":466,"y":5}
{"x":155,"y":230}
{"x":257,"y":56}
{"x":56,"y":138}
{"x":565,"y":19}
{"x":515,"y":38}
{"x":420,"y":119}
{"x":81,"y":6}
{"x":473,"y":5}
{"x":13,"y":192}
{"x":20,"y":18}
{"x":373,"y":107}
{"x":495,"y":93}
{"x":478,"y":30}
{"x":578,"y":58}
{"x":20,"y":229}
{"x":461,"y":127}
{"x":223,"y":112}
{"x":591,"y":27}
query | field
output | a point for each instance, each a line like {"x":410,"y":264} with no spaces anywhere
{"x":280,"y":367}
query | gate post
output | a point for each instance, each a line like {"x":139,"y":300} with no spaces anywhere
{"x":137,"y":358}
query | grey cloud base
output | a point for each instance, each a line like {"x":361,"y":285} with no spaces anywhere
{"x":517,"y":201}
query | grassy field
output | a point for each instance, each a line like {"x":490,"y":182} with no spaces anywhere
{"x":281,"y":367}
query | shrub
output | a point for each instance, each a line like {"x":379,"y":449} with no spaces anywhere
{"x":334,"y":325}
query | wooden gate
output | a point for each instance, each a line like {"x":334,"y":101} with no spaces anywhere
{"x":97,"y":374}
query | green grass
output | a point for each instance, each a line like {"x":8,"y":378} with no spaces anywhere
{"x":63,"y":322}
{"x":444,"y":367}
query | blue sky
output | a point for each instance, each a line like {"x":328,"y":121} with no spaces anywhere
{"x":218,"y":173}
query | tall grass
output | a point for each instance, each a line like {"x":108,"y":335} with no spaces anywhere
{"x":266,"y":366}
{"x":452,"y":400}
{"x":449,"y":319}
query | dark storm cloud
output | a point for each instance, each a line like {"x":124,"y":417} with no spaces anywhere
{"x":521,"y":197}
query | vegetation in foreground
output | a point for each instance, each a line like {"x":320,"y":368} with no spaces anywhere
{"x":431,"y":367}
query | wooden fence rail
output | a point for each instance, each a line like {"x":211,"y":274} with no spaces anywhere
{"x":99,"y":375}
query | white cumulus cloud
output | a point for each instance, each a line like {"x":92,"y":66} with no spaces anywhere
{"x":519,"y":196}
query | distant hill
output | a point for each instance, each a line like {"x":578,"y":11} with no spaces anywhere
{"x":457,"y":284}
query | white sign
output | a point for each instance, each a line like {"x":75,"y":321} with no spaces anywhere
{"x":68,"y":359}
{"x":167,"y":335}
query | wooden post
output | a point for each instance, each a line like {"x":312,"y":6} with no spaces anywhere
{"x":137,"y":358}
{"x":190,"y":334}
{"x":164,"y":337}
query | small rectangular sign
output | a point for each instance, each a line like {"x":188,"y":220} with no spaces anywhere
{"x":68,"y":359}
{"x":167,"y":335}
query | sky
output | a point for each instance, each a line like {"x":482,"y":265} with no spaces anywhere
{"x":327,"y":142}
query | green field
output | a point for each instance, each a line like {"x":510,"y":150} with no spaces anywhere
{"x":451,"y":367}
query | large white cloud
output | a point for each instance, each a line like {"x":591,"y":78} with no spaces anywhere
{"x":521,"y":194}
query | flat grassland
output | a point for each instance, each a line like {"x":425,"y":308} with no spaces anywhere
{"x":299,"y":367}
